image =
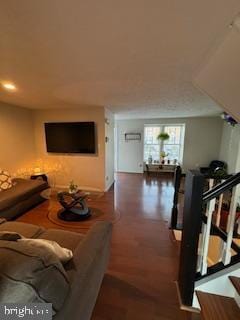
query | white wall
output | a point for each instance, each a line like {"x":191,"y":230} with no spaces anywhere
{"x":17,"y":140}
{"x":220,"y":75}
{"x":23,"y":146}
{"x":201,"y":145}
{"x":88,"y":171}
{"x":129,"y":154}
{"x":109,"y":149}
{"x":230,"y":147}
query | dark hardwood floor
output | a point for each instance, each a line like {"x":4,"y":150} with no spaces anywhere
{"x":139,"y":283}
{"x":144,"y":261}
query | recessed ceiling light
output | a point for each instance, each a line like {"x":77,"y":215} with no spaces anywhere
{"x":9,"y":86}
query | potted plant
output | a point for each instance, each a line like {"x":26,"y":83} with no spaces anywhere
{"x":163,"y":136}
{"x":73,"y":188}
{"x":163,"y":155}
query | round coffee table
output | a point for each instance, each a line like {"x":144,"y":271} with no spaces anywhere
{"x":74,"y":206}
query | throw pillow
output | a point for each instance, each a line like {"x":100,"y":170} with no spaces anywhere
{"x":5,"y":180}
{"x":30,"y":274}
{"x":63,"y":254}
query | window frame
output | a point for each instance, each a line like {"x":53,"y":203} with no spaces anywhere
{"x":162,"y":143}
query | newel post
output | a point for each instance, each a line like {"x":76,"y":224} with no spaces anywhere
{"x":192,"y":221}
{"x":177,"y":182}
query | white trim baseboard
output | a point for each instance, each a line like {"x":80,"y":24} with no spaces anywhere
{"x":109,"y":185}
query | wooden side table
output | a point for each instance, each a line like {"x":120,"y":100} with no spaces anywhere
{"x":160,"y":168}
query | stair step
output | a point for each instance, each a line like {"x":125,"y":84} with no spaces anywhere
{"x":215,"y":307}
{"x":236,"y":282}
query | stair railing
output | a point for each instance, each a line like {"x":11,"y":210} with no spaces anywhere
{"x":199,"y":225}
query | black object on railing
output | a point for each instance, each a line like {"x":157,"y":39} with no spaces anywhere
{"x":177,"y":182}
{"x":192,"y":221}
{"x":221,"y":188}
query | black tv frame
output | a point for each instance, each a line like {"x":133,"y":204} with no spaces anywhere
{"x":94,"y":152}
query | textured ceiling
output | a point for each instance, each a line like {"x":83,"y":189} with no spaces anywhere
{"x":136,"y":57}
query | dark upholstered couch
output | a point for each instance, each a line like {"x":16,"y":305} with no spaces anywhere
{"x":21,"y":197}
{"x":85,"y":271}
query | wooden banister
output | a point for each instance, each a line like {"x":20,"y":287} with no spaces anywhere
{"x":222,"y":187}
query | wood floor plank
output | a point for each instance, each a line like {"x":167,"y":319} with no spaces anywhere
{"x":216,"y":307}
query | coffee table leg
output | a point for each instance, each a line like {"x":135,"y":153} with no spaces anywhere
{"x":80,"y":210}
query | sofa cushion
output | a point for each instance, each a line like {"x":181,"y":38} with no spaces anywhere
{"x":5,"y":180}
{"x":30,"y":275}
{"x":25,"y":229}
{"x":64,"y":238}
{"x":21,"y":190}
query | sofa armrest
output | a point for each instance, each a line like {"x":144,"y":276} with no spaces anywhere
{"x":96,"y":239}
{"x":86,"y":273}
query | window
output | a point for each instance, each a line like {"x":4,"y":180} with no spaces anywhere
{"x":173,"y":146}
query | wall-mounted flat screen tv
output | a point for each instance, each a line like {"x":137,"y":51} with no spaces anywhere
{"x":70,"y":137}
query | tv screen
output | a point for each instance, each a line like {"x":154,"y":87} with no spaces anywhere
{"x":70,"y":137}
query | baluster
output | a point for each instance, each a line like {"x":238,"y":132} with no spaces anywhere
{"x":200,"y":249}
{"x":218,"y":220}
{"x":220,"y":202}
{"x":230,"y":225}
{"x":206,"y":234}
{"x":238,"y":229}
{"x":210,"y":183}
